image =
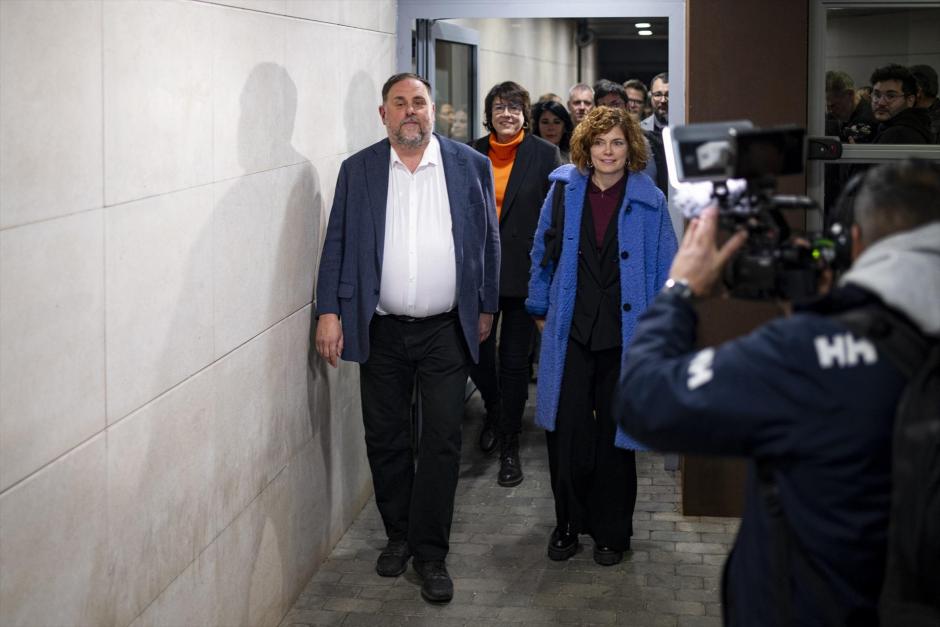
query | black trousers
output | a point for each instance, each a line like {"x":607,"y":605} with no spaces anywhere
{"x":415,"y":496}
{"x":594,"y":482}
{"x":507,"y":383}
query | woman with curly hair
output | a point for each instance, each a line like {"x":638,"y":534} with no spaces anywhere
{"x":590,"y":280}
{"x":552,"y":123}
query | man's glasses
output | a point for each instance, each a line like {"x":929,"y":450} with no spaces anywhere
{"x":504,"y":108}
{"x":887,"y":96}
{"x":635,"y":102}
{"x":660,"y":95}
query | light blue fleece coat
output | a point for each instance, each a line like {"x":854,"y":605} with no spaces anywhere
{"x":644,"y":230}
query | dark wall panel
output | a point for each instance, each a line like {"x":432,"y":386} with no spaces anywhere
{"x":747,"y":60}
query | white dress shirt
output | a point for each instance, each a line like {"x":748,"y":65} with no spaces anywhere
{"x":419,"y":269}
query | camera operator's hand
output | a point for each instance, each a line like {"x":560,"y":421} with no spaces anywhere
{"x":699,"y":261}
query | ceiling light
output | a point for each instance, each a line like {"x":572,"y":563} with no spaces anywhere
{"x":642,"y":24}
{"x":645,"y":33}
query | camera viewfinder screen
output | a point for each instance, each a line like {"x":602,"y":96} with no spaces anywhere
{"x":769,"y":153}
{"x":704,"y":160}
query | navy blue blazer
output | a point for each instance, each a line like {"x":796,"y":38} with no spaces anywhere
{"x":351,"y":261}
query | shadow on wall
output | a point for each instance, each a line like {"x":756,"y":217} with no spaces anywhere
{"x":236,"y":493}
{"x":360,"y":133}
{"x":325,"y":406}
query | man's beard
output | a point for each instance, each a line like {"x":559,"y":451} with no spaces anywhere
{"x":411,"y":142}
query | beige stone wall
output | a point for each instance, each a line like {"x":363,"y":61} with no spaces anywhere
{"x":167,"y":457}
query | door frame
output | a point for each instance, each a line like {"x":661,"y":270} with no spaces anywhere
{"x":674,"y":10}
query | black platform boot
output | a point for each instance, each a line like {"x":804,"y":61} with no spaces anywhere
{"x":510,"y":468}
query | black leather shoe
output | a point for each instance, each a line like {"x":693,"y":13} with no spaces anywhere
{"x":563,"y":544}
{"x":510,"y":468}
{"x":437,"y":586}
{"x":393,"y":560}
{"x":488,"y":439}
{"x":606,"y":556}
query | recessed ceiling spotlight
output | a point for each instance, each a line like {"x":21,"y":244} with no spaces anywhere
{"x":645,"y":33}
{"x":642,"y":24}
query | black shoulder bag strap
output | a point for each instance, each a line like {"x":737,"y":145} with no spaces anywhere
{"x":554,"y":234}
{"x":903,"y":344}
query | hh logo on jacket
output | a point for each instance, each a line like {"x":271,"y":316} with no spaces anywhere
{"x":844,"y":351}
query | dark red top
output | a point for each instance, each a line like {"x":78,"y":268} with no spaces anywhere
{"x":604,"y":205}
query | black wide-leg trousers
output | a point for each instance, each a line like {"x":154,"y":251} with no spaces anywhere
{"x":415,"y":496}
{"x":594,"y":483}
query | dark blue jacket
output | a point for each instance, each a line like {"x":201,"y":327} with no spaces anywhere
{"x":803,"y":395}
{"x":351,"y":262}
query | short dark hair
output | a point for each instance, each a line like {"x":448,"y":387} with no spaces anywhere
{"x":926,"y":78}
{"x":895,"y":197}
{"x":637,"y":84}
{"x":663,"y":76}
{"x":895,"y":72}
{"x":403,"y":76}
{"x":558,"y":110}
{"x":605,"y":87}
{"x":510,"y":92}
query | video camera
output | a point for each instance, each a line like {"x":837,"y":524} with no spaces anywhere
{"x":735,"y":165}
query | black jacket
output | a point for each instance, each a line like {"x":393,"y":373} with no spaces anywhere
{"x":526,"y":190}
{"x":910,"y":126}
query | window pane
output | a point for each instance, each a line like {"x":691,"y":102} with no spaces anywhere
{"x":861,"y":40}
{"x":453,"y":81}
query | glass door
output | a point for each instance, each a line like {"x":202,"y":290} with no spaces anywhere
{"x":446,"y":54}
{"x":873,"y":84}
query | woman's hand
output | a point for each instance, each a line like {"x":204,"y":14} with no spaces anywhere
{"x":539,"y":322}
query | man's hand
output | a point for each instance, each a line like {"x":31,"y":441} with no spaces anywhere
{"x":329,"y":338}
{"x":699,"y":260}
{"x":485,"y":326}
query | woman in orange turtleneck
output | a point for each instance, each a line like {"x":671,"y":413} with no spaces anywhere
{"x":521,"y":165}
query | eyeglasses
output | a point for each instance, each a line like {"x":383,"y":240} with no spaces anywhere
{"x":888,"y":96}
{"x":634,"y":101}
{"x":503,"y":108}
{"x":660,"y":95}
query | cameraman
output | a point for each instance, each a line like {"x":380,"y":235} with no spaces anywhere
{"x":809,"y":404}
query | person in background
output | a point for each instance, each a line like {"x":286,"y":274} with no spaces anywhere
{"x":551,"y":96}
{"x":926,"y":78}
{"x":609,"y":94}
{"x":580,"y":101}
{"x":444,"y":118}
{"x":659,"y":98}
{"x":552,"y":123}
{"x":460,"y":129}
{"x":589,"y":282}
{"x":521,"y":164}
{"x":847,"y":116}
{"x":636,"y":97}
{"x":893,"y":93}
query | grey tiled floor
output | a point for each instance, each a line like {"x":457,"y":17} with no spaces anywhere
{"x":499,"y":565}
